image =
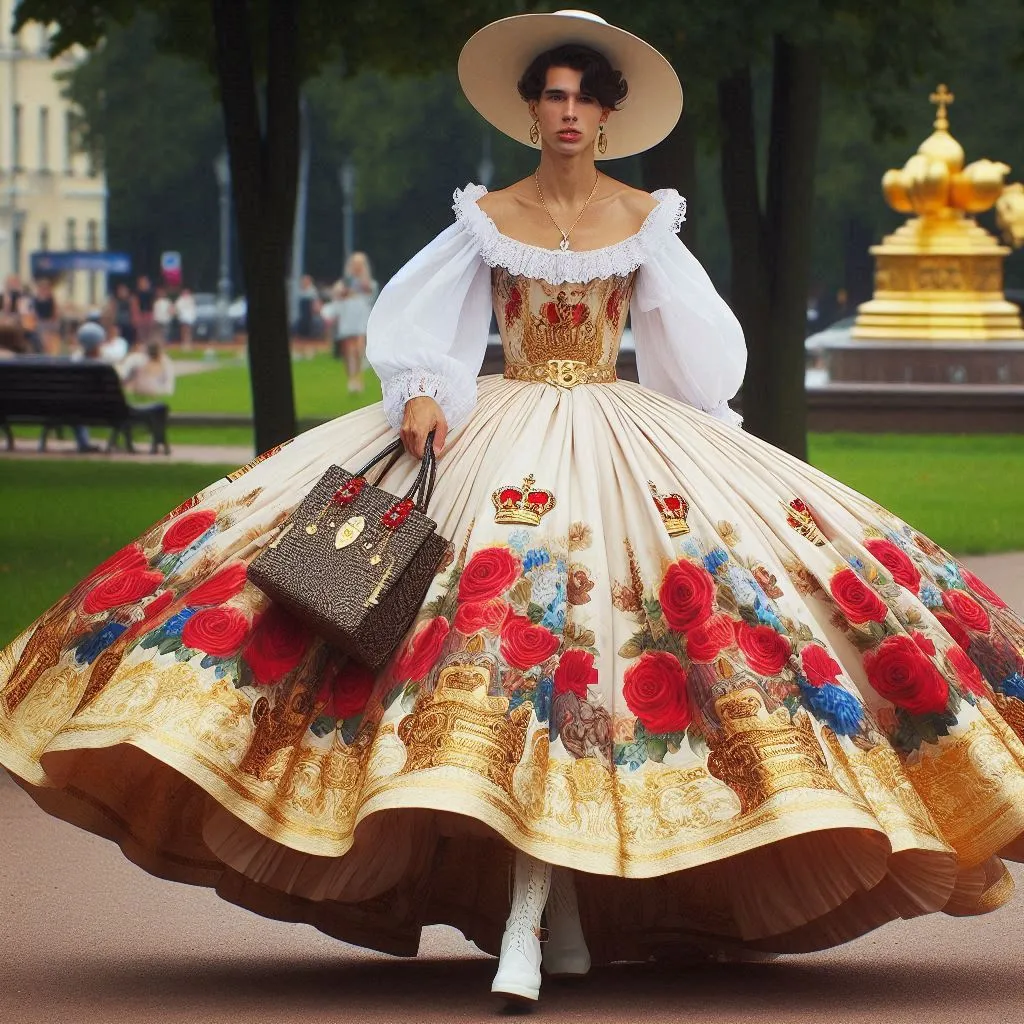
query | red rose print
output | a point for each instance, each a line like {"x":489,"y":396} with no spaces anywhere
{"x":819,"y":666}
{"x":278,"y":643}
{"x":765,"y":650}
{"x":903,"y":570}
{"x":219,"y":588}
{"x":687,"y":595}
{"x":986,"y":593}
{"x":705,"y":642}
{"x":124,"y":587}
{"x":967,"y":673}
{"x":524,"y":645}
{"x":857,"y":601}
{"x":954,"y":629}
{"x":186,"y":529}
{"x":967,"y":610}
{"x":131,"y":557}
{"x":216,"y":631}
{"x":579,"y":313}
{"x":550,"y":313}
{"x":924,"y":645}
{"x":422,"y":649}
{"x":900,"y":672}
{"x":345,"y":689}
{"x":160,"y":603}
{"x":575,"y":672}
{"x":476,"y":616}
{"x":489,"y":573}
{"x":654,"y":689}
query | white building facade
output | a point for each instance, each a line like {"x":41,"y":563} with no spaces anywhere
{"x":51,"y":197}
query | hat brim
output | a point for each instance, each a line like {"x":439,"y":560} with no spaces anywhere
{"x":494,"y":59}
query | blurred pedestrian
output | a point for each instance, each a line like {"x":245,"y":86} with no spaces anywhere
{"x":309,"y":307}
{"x":163,"y":314}
{"x":47,"y":316}
{"x":91,"y":338}
{"x":115,"y":347}
{"x":145,"y":297}
{"x":185,"y":307}
{"x":121,"y":312}
{"x":148,"y":373}
{"x":352,"y":313}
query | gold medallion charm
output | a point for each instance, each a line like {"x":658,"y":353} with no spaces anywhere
{"x":349,"y":531}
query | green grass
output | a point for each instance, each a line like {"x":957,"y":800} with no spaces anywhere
{"x":62,"y":518}
{"x":965,"y":491}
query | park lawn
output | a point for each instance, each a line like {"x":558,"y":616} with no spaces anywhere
{"x":62,"y":518}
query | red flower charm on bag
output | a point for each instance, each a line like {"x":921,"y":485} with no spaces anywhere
{"x":857,"y":601}
{"x":397,"y":514}
{"x":819,"y":666}
{"x":524,"y":645}
{"x":220,"y":587}
{"x":349,"y":491}
{"x":489,"y":573}
{"x":967,"y":673}
{"x":654,"y":689}
{"x":986,"y":593}
{"x":345,"y":690}
{"x":954,"y":629}
{"x":705,"y":642}
{"x":765,"y":650}
{"x":900,"y":672}
{"x":477,"y":616}
{"x":278,"y":643}
{"x":687,"y":595}
{"x":967,"y":610}
{"x":422,"y":649}
{"x":216,"y":631}
{"x":899,"y":564}
{"x":187,"y":529}
{"x":125,"y":587}
{"x":575,"y":673}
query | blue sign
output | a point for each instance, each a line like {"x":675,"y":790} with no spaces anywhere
{"x":44,"y":264}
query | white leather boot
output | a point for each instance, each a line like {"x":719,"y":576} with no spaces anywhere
{"x":518,"y":974}
{"x":565,"y":952}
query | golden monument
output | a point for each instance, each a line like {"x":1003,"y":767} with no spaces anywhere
{"x":939,"y":277}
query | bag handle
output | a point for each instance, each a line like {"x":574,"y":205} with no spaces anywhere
{"x":422,"y":487}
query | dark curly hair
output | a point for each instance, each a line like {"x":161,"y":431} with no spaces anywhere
{"x":600,"y":79}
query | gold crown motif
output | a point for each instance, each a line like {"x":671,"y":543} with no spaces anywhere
{"x":524,"y":505}
{"x":673,"y":509}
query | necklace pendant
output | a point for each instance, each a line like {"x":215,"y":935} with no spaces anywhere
{"x":564,"y":244}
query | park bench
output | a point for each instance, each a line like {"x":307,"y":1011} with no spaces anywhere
{"x":58,"y":393}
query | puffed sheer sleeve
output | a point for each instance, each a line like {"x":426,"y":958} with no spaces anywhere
{"x":427,"y":332}
{"x":689,"y":344}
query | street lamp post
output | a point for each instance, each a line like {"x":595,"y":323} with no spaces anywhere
{"x":222,"y":168}
{"x":347,"y":180}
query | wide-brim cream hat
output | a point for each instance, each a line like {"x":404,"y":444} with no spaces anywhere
{"x":494,"y":59}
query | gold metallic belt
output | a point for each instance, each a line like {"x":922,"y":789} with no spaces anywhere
{"x":562,"y":373}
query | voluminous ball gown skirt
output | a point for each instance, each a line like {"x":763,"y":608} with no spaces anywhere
{"x":748,"y":705}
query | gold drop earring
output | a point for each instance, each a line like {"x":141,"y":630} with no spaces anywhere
{"x":535,"y":132}
{"x":602,"y":139}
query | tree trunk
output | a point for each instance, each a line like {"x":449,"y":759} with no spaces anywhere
{"x":673,"y":164}
{"x":264,"y":168}
{"x":771,"y":253}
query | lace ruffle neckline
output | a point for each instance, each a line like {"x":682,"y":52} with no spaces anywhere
{"x":555,"y":266}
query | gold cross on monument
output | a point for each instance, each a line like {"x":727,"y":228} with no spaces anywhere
{"x":943,"y":99}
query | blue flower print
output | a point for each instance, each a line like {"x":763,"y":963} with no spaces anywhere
{"x":554,"y":617}
{"x":715,"y":558}
{"x":931,"y":597}
{"x":542,"y":698}
{"x":1013,"y":685}
{"x":561,"y":568}
{"x":742,"y":582}
{"x":534,"y":558}
{"x":92,"y":646}
{"x":767,"y":617}
{"x":855,"y":562}
{"x":174,"y":625}
{"x":834,"y":706}
{"x":518,"y":540}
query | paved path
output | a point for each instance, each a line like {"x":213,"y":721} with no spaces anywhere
{"x":229,"y":455}
{"x":87,"y":938}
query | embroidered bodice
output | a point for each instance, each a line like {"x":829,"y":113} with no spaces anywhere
{"x":539,"y":321}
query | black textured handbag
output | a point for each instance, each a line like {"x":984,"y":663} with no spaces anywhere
{"x":354,"y":561}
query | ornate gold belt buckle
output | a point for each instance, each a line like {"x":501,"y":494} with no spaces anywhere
{"x":565,"y":373}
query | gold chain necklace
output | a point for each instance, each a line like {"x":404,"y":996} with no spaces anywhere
{"x":564,"y":243}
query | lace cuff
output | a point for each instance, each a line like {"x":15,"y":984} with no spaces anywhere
{"x":724,"y":414}
{"x":456,"y":403}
